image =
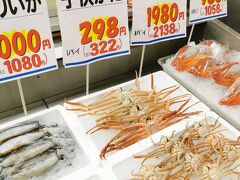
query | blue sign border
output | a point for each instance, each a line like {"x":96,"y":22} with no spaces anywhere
{"x":18,"y":76}
{"x":74,"y":64}
{"x":159,"y":39}
{"x":208,"y":18}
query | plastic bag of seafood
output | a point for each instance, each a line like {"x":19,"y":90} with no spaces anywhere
{"x":209,"y":90}
{"x":201,"y":59}
{"x":121,"y":116}
{"x":209,"y":59}
{"x":232,"y":97}
{"x":206,"y":149}
{"x":40,"y":146}
{"x":227,"y":74}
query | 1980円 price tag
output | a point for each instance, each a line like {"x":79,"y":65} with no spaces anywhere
{"x":155,"y":21}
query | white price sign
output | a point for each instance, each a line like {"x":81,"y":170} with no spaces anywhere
{"x":26,"y":45}
{"x":203,"y":10}
{"x":93,"y":30}
{"x":158,"y":20}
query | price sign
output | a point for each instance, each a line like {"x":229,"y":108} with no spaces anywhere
{"x":93,"y":30}
{"x":26,"y":45}
{"x":203,"y":10}
{"x":158,"y":20}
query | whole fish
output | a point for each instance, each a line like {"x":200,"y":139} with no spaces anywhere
{"x":18,"y":130}
{"x":19,"y":141}
{"x":36,"y":166}
{"x":27,"y":153}
{"x":5,"y":173}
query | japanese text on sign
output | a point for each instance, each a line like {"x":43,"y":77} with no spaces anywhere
{"x":203,"y":10}
{"x":84,"y":3}
{"x":26,"y":48}
{"x":155,"y":21}
{"x":13,"y":7}
{"x":97,"y":30}
{"x":101,"y":28}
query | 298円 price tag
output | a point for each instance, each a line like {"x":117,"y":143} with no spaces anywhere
{"x":203,"y":10}
{"x":155,"y":21}
{"x":96,"y":31}
{"x":99,"y":36}
{"x":26,"y":45}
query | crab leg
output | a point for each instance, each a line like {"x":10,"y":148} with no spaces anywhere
{"x":106,"y":103}
{"x":75,"y":103}
{"x":130,"y":138}
{"x":171,"y":159}
{"x":164,"y":93}
{"x":105,"y":100}
{"x":108,"y":106}
{"x":154,"y":154}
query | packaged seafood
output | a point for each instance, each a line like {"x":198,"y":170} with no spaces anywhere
{"x":209,"y":59}
{"x":232,"y":97}
{"x":201,"y":59}
{"x":206,"y":89}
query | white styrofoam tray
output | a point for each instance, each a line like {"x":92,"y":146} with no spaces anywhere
{"x":122,"y":166}
{"x":101,"y":138}
{"x":207,"y":91}
{"x":58,"y":115}
{"x":90,"y":173}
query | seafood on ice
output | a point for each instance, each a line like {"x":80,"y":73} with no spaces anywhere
{"x":232,"y":97}
{"x":200,"y":152}
{"x":35,"y":151}
{"x":135,"y":114}
{"x":227,"y":74}
{"x":209,"y":59}
{"x":199,"y":59}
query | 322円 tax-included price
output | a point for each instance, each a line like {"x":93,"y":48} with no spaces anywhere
{"x":164,"y":19}
{"x":26,"y":45}
{"x":100,"y":36}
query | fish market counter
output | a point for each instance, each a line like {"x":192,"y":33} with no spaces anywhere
{"x":84,"y":139}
